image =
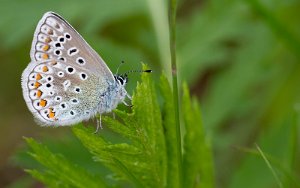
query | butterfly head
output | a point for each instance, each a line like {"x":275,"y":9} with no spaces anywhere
{"x":121,"y":79}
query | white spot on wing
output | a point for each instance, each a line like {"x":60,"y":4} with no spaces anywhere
{"x":32,"y":76}
{"x":32,"y":94}
{"x":66,"y":84}
{"x":60,"y":74}
{"x":35,"y":104}
{"x":58,"y":98}
{"x":31,"y":85}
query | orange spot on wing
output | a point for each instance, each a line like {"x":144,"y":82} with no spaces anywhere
{"x":37,"y":84}
{"x":38,"y":76}
{"x":51,"y":114}
{"x":43,"y":103}
{"x":45,"y":56}
{"x":48,"y":39}
{"x":46,"y":47}
{"x":45,"y":69}
{"x":39,"y":93}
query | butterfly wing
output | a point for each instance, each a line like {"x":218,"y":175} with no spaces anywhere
{"x":58,"y":95}
{"x":55,"y":38}
{"x":66,"y":78}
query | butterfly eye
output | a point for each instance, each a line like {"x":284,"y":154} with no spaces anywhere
{"x":120,"y":80}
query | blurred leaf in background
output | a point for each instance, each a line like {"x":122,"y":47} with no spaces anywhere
{"x":240,"y":58}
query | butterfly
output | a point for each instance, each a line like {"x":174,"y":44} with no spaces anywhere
{"x":66,"y":81}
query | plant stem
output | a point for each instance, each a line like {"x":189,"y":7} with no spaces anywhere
{"x":172,"y":30}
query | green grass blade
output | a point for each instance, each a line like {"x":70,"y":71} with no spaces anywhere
{"x":170,"y":133}
{"x":269,"y":166}
{"x":172,"y":34}
{"x":197,"y":160}
{"x":290,"y":176}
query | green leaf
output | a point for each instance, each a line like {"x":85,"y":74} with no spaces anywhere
{"x":170,"y":133}
{"x":60,"y":171}
{"x":197,"y":159}
{"x":142,"y":160}
{"x":47,"y":178}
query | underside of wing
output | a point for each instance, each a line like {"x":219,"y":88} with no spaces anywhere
{"x":58,"y":94}
{"x":55,"y":38}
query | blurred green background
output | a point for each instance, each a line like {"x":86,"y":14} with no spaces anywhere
{"x":240,"y":58}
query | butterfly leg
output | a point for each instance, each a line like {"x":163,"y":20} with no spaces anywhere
{"x":127,"y":104}
{"x":99,"y":125}
{"x":129,"y":97}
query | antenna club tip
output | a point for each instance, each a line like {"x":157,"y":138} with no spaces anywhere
{"x":149,"y":71}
